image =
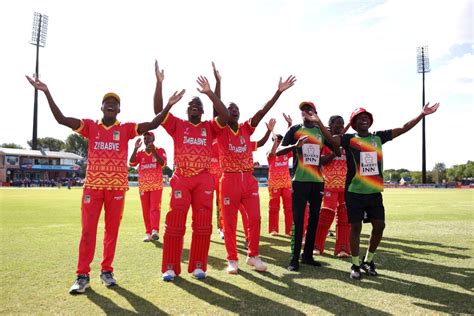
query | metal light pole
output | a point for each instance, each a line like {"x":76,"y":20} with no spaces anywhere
{"x":38,"y":38}
{"x":423,"y":63}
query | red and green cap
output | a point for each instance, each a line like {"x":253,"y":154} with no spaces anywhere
{"x":360,"y":111}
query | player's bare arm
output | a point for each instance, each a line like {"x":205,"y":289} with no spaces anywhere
{"x":282,"y":86}
{"x":283,"y":150}
{"x":334,"y":140}
{"x":217,"y":89}
{"x":270,"y":127}
{"x":70,"y":122}
{"x":158,"y":97}
{"x":133,"y":157}
{"x":148,"y":126}
{"x":219,"y":107}
{"x":288,"y":119}
{"x":427,"y":110}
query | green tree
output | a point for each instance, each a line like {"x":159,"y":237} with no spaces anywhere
{"x":77,"y":144}
{"x":11,"y":145}
{"x":439,"y":172}
{"x":53,"y":144}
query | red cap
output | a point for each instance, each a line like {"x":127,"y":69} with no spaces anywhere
{"x":149,"y":133}
{"x":357,"y":112}
{"x":311,"y":104}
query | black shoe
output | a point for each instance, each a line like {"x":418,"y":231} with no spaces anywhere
{"x":80,"y":285}
{"x":310,"y":261}
{"x":355,"y":272}
{"x":294,"y":265}
{"x":107,"y":278}
{"x":369,"y":268}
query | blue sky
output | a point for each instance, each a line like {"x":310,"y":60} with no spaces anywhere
{"x":345,"y":54}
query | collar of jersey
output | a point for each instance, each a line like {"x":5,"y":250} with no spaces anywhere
{"x":232,"y":131}
{"x":108,"y":127}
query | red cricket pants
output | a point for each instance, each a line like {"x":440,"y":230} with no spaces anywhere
{"x":274,"y":209}
{"x":92,"y":202}
{"x":333,"y":205}
{"x":151,"y":209}
{"x":196,"y":192}
{"x":236,"y":189}
{"x":220,"y":214}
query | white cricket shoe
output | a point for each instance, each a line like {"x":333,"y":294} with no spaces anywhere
{"x":232,"y":267}
{"x":257,"y":263}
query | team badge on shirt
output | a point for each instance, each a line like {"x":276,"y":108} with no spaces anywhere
{"x":116,"y":135}
{"x":177,"y":194}
{"x":226,"y":201}
{"x":203,"y":132}
{"x":242,"y":140}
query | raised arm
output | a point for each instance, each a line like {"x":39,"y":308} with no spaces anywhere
{"x":270,"y":127}
{"x":283,"y":150}
{"x":70,"y":122}
{"x":133,"y":157}
{"x":288,"y":119}
{"x":427,"y":110}
{"x":334,"y":140}
{"x":219,"y":107}
{"x":217,"y":90}
{"x":158,"y":97}
{"x":148,"y":126}
{"x":282,"y":86}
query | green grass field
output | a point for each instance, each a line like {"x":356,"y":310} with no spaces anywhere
{"x":425,"y":263}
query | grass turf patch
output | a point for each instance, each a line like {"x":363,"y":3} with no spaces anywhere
{"x":424,"y":261}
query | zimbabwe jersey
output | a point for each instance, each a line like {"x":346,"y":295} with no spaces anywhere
{"x":192,"y":144}
{"x":278,"y":172}
{"x":235,"y":148}
{"x":215,"y":164}
{"x":365,"y":161}
{"x":334,"y":172}
{"x":107,"y":167}
{"x":306,"y":160}
{"x":150,"y":172}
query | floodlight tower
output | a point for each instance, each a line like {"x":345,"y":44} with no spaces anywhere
{"x":423,"y":63}
{"x":38,"y":38}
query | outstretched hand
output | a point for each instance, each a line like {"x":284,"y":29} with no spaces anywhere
{"x":176,"y":97}
{"x":138,"y":143}
{"x":38,"y":84}
{"x":160,"y":74}
{"x":204,"y":84}
{"x":427,"y":110}
{"x":288,"y":119}
{"x":217,"y":75}
{"x":271,"y":124}
{"x":289,"y":82}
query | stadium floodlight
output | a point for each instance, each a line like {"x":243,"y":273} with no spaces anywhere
{"x":38,"y":38}
{"x":423,"y":65}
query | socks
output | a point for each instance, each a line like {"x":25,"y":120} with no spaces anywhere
{"x":369,"y":256}
{"x":355,"y":260}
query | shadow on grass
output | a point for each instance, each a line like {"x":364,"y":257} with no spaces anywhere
{"x":240,"y":301}
{"x":140,"y":305}
{"x":442,"y":299}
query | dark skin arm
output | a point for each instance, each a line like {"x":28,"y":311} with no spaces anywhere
{"x":264,"y":139}
{"x":133,"y":157}
{"x":283,"y":150}
{"x":70,"y":122}
{"x":282,"y":86}
{"x":219,"y":107}
{"x":148,"y":126}
{"x":217,"y":89}
{"x":427,"y":110}
{"x":158,"y":97}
